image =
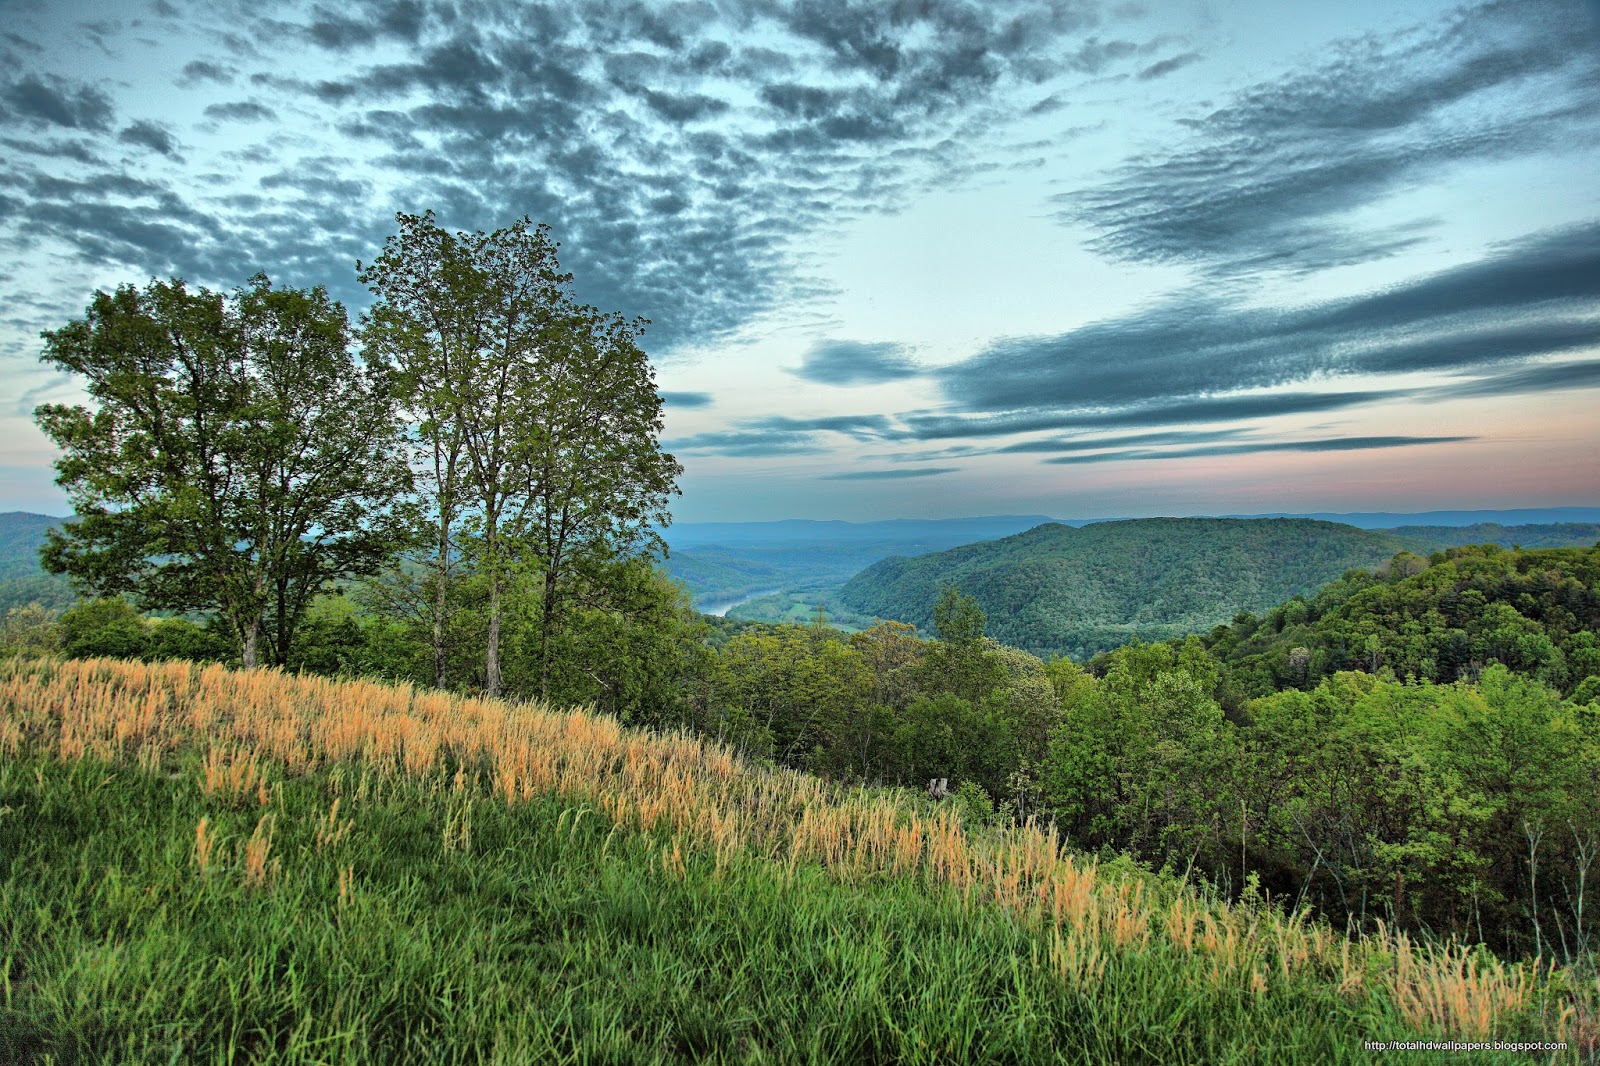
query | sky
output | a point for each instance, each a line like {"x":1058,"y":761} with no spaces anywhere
{"x":902,"y":259}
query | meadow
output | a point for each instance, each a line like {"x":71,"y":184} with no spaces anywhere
{"x":205,"y":865}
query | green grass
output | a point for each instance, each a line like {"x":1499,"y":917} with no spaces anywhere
{"x":552,"y":938}
{"x":799,"y":607}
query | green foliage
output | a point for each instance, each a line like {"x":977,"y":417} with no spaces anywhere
{"x":1534,"y":611}
{"x":1545,"y":535}
{"x":237,"y":457}
{"x":29,"y":630}
{"x":1142,"y":755}
{"x":539,"y":422}
{"x":109,"y":627}
{"x":1060,"y":590}
{"x":22,"y":581}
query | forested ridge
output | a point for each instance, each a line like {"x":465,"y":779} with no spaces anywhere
{"x":1441,"y":619}
{"x":1075,"y":591}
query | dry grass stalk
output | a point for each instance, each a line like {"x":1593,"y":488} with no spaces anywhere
{"x":330,"y":831}
{"x":205,"y":846}
{"x":260,"y":870}
{"x":705,"y":795}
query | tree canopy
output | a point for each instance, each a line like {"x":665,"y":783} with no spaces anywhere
{"x":236,"y":458}
{"x":539,"y":416}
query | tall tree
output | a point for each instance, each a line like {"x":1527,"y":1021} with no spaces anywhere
{"x":552,"y":403}
{"x":598,"y":482}
{"x":239,"y":457}
{"x":419,"y":326}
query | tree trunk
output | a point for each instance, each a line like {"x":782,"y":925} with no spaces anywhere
{"x":547,"y":632}
{"x":491,"y":662}
{"x":440,"y":592}
{"x":252,"y":642}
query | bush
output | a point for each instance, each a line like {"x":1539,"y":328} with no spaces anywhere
{"x":108,"y":627}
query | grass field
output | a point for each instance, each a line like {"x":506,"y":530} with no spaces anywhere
{"x":198,"y":865}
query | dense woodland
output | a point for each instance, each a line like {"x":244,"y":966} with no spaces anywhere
{"x":1060,"y":590}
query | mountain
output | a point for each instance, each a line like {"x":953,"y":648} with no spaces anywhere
{"x":1390,"y":519}
{"x":943,"y":532}
{"x":1546,"y":535}
{"x":1059,"y":589}
{"x":22,"y":580}
{"x":728,"y":562}
{"x":21,"y":535}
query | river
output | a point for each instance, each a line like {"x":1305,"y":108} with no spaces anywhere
{"x":721,"y":608}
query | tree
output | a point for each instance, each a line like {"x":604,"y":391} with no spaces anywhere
{"x":420,"y":326}
{"x":959,"y":662}
{"x":547,"y":409}
{"x":238,"y":459}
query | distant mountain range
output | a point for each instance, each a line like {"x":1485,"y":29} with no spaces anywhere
{"x":1063,"y":590}
{"x":722,"y":563}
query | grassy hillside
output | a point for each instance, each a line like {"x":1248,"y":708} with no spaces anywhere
{"x":1057,"y":589}
{"x":203,"y":865}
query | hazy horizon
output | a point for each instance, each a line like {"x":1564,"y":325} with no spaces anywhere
{"x":935,"y":260}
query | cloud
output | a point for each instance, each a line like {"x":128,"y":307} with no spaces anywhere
{"x":78,"y":150}
{"x":682,"y":152}
{"x":1535,"y":297}
{"x":686,"y":399}
{"x":1266,"y":181}
{"x":199,"y":71}
{"x":154,"y":136}
{"x":241,"y":111}
{"x":1164,"y":67}
{"x":1198,"y":409}
{"x":337,"y":31}
{"x":747,"y":443}
{"x":54,"y":101}
{"x":1332,"y":444}
{"x":860,"y":427}
{"x":1546,"y":377}
{"x":1086,"y":444}
{"x":887,"y":475}
{"x":855,"y":363}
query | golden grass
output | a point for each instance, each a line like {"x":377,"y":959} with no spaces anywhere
{"x":703,"y":798}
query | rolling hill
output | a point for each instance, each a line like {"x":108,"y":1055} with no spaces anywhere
{"x":1077,"y":591}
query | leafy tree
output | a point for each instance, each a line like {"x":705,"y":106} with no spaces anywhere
{"x":420,"y":325}
{"x":29,"y":630}
{"x":959,"y":662}
{"x":539,"y":416}
{"x":108,"y":627}
{"x":237,"y":459}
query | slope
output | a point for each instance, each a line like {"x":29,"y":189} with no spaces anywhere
{"x":1056,"y":589}
{"x":293,"y":870}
